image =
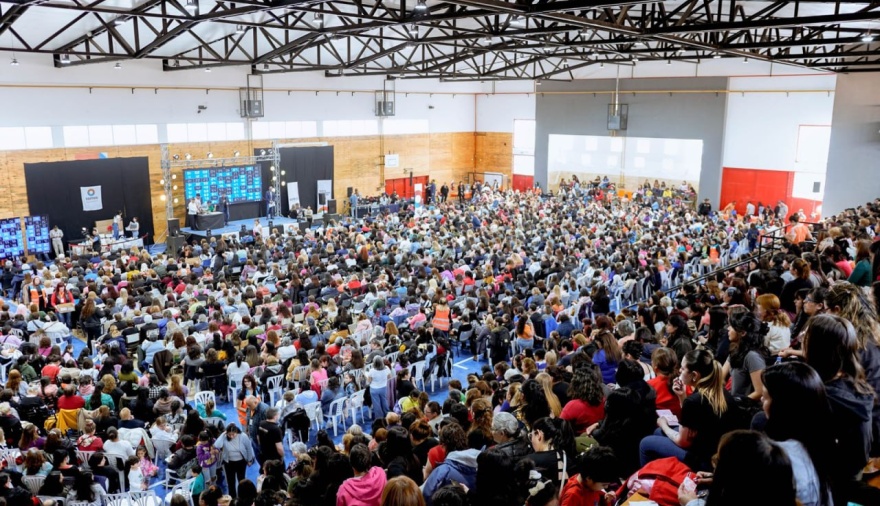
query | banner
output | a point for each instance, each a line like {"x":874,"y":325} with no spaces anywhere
{"x":325,"y":193}
{"x":91,"y":198}
{"x":292,"y":194}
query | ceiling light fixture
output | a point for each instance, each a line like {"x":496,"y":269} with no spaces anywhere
{"x":413,"y":29}
{"x":265,"y":66}
{"x":746,"y":59}
{"x":118,"y":66}
{"x":519,"y":21}
{"x":65,"y":59}
{"x":319,"y":19}
{"x":487,"y":39}
{"x":669,"y":62}
{"x":717,"y":56}
{"x":176,"y":63}
{"x":602,"y":65}
{"x":239,"y":28}
{"x":14,"y":62}
{"x":421,"y":6}
{"x":192,"y":6}
{"x":868,"y":38}
{"x":208,"y":69}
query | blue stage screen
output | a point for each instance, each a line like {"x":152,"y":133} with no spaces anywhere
{"x":11,"y":243}
{"x":239,"y":184}
{"x":36,"y":230}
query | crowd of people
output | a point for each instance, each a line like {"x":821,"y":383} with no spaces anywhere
{"x":756,"y":384}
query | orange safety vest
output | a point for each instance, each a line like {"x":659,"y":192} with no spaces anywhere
{"x":441,"y":319}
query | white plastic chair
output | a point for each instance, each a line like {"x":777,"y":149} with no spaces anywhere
{"x":83,"y":457}
{"x":313,"y":411}
{"x":162,"y":448}
{"x":234,"y":385}
{"x":59,"y":501}
{"x":275,"y":388}
{"x":418,"y":373}
{"x":183,"y":488}
{"x":301,"y":373}
{"x":204,"y":396}
{"x":117,"y":462}
{"x":33,"y":483}
{"x":144,"y":498}
{"x":356,"y":406}
{"x":337,"y":413}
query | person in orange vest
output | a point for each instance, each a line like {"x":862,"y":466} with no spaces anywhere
{"x":37,"y":294}
{"x":441,"y":321}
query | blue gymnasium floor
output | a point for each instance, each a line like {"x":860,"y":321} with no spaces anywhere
{"x":463,"y":365}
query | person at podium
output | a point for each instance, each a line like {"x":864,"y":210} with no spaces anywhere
{"x":223,"y":207}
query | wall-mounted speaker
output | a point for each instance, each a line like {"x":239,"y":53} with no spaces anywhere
{"x":817,"y":187}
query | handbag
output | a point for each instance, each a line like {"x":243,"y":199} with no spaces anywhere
{"x":658,"y":481}
{"x":65,"y":307}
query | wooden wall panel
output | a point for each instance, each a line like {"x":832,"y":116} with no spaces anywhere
{"x":493,"y":152}
{"x":359,"y":163}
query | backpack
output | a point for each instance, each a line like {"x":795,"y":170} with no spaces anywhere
{"x":185,"y":470}
{"x":658,"y":481}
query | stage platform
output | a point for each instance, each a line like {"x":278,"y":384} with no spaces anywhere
{"x":234,"y":227}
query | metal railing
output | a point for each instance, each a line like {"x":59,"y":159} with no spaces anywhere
{"x":767,"y":245}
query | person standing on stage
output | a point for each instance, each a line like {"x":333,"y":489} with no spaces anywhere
{"x":117,"y":225}
{"x":444,"y":193}
{"x":134,"y":227}
{"x":270,"y":203}
{"x":192,"y":209}
{"x":460,"y":191}
{"x":353,"y":201}
{"x":57,"y":245}
{"x":223,"y":207}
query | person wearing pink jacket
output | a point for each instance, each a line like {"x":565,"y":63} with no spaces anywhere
{"x":365,"y":489}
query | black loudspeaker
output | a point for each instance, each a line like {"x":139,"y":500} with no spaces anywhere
{"x":270,"y":225}
{"x":173,"y":227}
{"x":817,"y":187}
{"x":243,"y":230}
{"x":208,"y":232}
{"x":349,"y":191}
{"x":173,"y":244}
{"x":331,"y":206}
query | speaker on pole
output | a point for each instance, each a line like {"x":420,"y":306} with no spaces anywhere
{"x":173,"y":227}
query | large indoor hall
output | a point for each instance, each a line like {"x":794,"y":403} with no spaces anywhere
{"x":439,"y":253}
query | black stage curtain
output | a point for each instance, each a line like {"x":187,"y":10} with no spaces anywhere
{"x":246,"y":210}
{"x":305,"y":165}
{"x":53,"y":189}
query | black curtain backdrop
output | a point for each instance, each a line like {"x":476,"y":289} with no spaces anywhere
{"x":53,"y":189}
{"x":305,"y":166}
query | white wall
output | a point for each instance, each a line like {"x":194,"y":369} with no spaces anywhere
{"x":762,"y":129}
{"x":496,"y":113}
{"x":37,"y":94}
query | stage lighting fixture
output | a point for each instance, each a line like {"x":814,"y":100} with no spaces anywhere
{"x":192,"y":6}
{"x":176,"y":157}
{"x":273,"y":178}
{"x":188,"y":156}
{"x":162,"y":182}
{"x":271,"y":151}
{"x":173,"y":176}
{"x":236,"y":153}
{"x":65,"y":59}
{"x":421,"y":6}
{"x":176,"y":200}
{"x":283,"y":173}
{"x":174,"y":187}
{"x":210,"y":155}
{"x":162,"y":198}
{"x":283,"y":183}
{"x":319,"y":19}
{"x":262,"y":152}
{"x":272,"y":168}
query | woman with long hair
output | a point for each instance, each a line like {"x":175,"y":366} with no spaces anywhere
{"x":397,"y":454}
{"x":800,"y":270}
{"x":678,"y":335}
{"x":402,"y":491}
{"x":751,"y":469}
{"x":705,"y":415}
{"x":586,"y":405}
{"x":831,"y":348}
{"x":778,"y":336}
{"x":861,"y":274}
{"x":748,"y":356}
{"x":87,"y":490}
{"x":480,"y":433}
{"x":553,"y":442}
{"x":798,"y":416}
{"x":608,"y":356}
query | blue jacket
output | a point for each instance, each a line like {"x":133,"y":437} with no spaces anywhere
{"x":460,"y":466}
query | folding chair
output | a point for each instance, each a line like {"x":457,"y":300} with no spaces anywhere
{"x":337,"y":413}
{"x":204,"y":396}
{"x":313,"y":411}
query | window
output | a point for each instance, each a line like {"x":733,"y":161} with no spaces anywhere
{"x":12,"y":138}
{"x":100,"y":135}
{"x":405,"y":126}
{"x":524,"y":147}
{"x":346,"y":128}
{"x":125,"y":134}
{"x":76,"y":136}
{"x":147,"y":134}
{"x":176,"y":132}
{"x":284,"y":129}
{"x":25,"y":138}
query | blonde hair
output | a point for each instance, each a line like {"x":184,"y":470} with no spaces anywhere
{"x":552,"y":400}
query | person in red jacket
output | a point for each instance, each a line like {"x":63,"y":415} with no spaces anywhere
{"x":596,"y":470}
{"x":69,"y":399}
{"x":665,"y":365}
{"x":61,"y":296}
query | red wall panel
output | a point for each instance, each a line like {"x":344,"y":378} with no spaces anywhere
{"x":403,"y":187}
{"x":523,"y":183}
{"x":765,"y":186}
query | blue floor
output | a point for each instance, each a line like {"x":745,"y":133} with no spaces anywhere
{"x":461,"y":368}
{"x":235,"y":226}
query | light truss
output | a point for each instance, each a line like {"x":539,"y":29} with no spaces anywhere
{"x":452,"y":39}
